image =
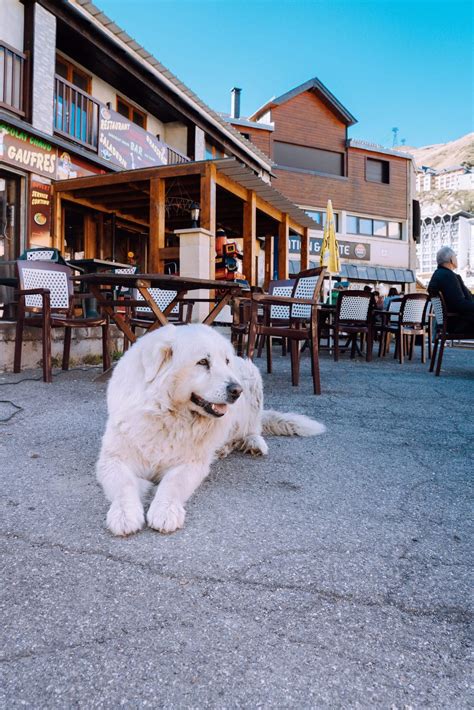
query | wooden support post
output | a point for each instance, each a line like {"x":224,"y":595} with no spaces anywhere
{"x":58,"y":233}
{"x":305,"y":250}
{"x":157,"y":225}
{"x":207,"y":217}
{"x":250,"y":237}
{"x":90,"y":237}
{"x":283,"y":247}
{"x":268,"y":261}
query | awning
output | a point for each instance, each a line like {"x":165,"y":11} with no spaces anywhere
{"x":381,"y":274}
{"x":367,"y":274}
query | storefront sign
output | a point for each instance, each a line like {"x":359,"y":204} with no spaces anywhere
{"x":26,"y":151}
{"x":126,"y":144}
{"x":40,"y":210}
{"x":347,"y":250}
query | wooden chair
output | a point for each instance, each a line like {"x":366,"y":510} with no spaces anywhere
{"x":388,"y":325}
{"x":302,"y":323}
{"x":142,"y":316}
{"x":279,"y":315}
{"x":46,"y":300}
{"x":442,"y":332}
{"x":353,"y":317}
{"x":412,"y":321}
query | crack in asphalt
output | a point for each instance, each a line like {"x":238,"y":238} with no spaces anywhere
{"x":449,"y":614}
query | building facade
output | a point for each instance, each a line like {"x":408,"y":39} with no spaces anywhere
{"x":79,"y":97}
{"x":447,"y":230}
{"x":305,"y":133}
{"x":457,"y":177}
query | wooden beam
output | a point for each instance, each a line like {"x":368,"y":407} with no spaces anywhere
{"x":269,"y":210}
{"x":231,"y":186}
{"x":295,"y":227}
{"x":58,"y":233}
{"x":207,"y":218}
{"x":102,"y":208}
{"x":249,"y":238}
{"x":305,"y":250}
{"x":283,"y":247}
{"x":268,"y":273}
{"x":157,"y":226}
{"x":90,"y":241}
{"x":131,"y":176}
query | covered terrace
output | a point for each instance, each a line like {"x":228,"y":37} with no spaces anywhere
{"x":156,"y":203}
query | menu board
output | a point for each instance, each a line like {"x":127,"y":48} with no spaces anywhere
{"x":40,"y":210}
{"x":125,"y":144}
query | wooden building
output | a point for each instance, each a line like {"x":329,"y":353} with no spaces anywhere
{"x":79,"y":97}
{"x":305,"y":133}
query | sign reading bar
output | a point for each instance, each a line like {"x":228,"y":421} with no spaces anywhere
{"x":347,"y":250}
{"x":127,"y":145}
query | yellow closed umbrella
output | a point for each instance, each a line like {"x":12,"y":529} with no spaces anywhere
{"x":330,"y":247}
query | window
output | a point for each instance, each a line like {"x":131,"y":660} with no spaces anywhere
{"x":67,"y":70}
{"x":312,"y":159}
{"x":320,"y":218}
{"x":373,"y":227}
{"x":133,"y":114}
{"x":377,"y":170}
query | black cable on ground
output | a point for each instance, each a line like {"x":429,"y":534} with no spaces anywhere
{"x":17,"y":408}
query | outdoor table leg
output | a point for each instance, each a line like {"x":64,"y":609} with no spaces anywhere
{"x":218,"y":308}
{"x":117,"y":318}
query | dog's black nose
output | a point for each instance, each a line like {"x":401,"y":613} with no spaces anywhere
{"x":234,"y":390}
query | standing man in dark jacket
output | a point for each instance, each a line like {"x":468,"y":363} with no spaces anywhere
{"x":458,"y":298}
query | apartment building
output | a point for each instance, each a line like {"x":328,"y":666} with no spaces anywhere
{"x":79,"y":97}
{"x":305,"y":133}
{"x":455,"y":230}
{"x":454,"y":178}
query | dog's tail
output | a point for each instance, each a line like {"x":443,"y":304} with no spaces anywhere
{"x":289,"y":424}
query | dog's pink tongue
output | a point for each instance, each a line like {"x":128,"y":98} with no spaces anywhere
{"x":220,"y":408}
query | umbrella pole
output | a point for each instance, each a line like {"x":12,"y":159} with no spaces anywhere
{"x":331,"y":336}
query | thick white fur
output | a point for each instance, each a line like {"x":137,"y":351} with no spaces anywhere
{"x":156,"y":434}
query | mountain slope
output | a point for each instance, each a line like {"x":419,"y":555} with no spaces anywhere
{"x":443,"y":155}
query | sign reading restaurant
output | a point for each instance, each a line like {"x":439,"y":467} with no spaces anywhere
{"x":347,"y":250}
{"x":127,"y":145}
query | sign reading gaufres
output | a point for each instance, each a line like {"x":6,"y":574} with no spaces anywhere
{"x":127,"y":145}
{"x":347,"y":250}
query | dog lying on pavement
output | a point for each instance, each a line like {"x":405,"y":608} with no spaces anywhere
{"x":178,"y":399}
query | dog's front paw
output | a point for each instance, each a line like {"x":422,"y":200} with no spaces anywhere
{"x":125,"y":519}
{"x":254,"y":445}
{"x":165,"y":516}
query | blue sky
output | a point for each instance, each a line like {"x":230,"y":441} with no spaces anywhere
{"x":390,"y":62}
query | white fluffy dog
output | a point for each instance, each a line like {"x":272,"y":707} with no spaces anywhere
{"x":177,"y":399}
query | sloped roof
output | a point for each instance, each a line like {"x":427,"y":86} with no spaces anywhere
{"x":189,"y":96}
{"x":322,"y":91}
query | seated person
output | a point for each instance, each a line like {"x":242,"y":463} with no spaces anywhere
{"x":392,"y":293}
{"x":458,"y":298}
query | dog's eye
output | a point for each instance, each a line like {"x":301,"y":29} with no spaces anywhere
{"x":204,"y":362}
{"x":227,"y":361}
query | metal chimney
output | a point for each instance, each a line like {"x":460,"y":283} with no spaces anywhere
{"x":235,"y":102}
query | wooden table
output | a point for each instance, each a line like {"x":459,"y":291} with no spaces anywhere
{"x":102,"y":286}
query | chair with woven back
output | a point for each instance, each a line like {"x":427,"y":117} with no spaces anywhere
{"x":412,"y":322}
{"x":46,"y":300}
{"x":388,"y":325}
{"x":279,"y":315}
{"x":353,"y":317}
{"x":442,"y":331}
{"x":142,"y":316}
{"x":302,"y":323}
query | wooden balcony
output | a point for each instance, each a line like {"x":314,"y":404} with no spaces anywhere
{"x":11,"y":78}
{"x":76,"y":114}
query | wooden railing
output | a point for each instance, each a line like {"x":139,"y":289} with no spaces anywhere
{"x":11,"y":78}
{"x":76,"y":114}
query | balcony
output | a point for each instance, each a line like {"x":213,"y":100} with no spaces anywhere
{"x":11,"y":78}
{"x":76,"y":114}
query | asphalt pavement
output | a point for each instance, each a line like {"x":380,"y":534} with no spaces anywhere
{"x":332,"y":574}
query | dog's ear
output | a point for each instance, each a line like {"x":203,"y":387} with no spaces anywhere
{"x":158,"y":350}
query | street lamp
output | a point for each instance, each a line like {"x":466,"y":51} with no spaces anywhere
{"x":195,"y":210}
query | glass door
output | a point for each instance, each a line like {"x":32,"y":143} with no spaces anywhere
{"x":9,"y":216}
